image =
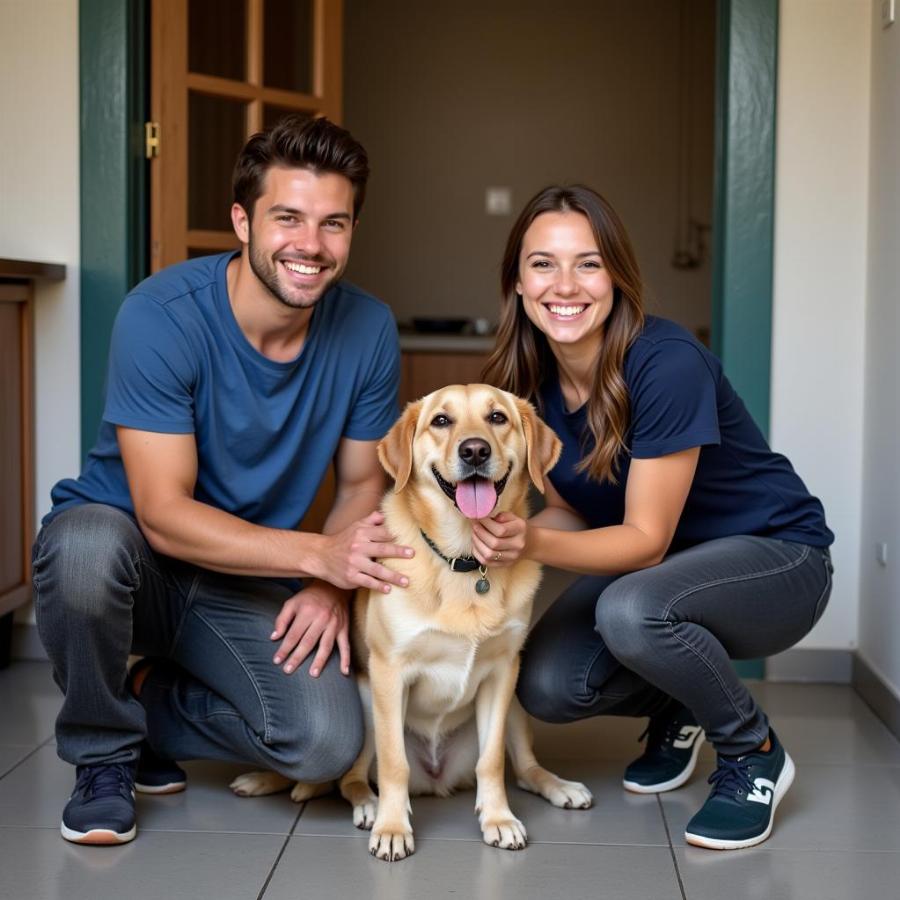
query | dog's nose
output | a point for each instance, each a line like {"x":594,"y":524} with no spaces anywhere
{"x":474,"y":451}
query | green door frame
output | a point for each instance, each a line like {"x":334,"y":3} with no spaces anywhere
{"x":114,"y":80}
{"x":113,"y":84}
{"x":744,"y":214}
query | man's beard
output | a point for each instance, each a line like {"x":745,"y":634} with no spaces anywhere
{"x":266,"y":270}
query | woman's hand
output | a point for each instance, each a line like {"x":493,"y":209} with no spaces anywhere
{"x":499,"y":541}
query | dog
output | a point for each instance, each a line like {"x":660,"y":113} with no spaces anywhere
{"x":437,"y":662}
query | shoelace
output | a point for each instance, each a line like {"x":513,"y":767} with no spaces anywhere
{"x":105,"y":781}
{"x":732,"y":777}
{"x":661,"y":732}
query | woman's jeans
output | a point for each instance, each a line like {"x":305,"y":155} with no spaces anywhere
{"x":628,"y":645}
{"x":102,"y":593}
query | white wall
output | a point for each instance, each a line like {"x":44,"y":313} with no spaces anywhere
{"x":39,"y":202}
{"x":879,"y":620}
{"x":821,"y":187}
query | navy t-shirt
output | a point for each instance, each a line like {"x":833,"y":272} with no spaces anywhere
{"x":680,"y":398}
{"x":266,"y":431}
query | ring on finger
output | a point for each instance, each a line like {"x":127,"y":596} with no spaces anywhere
{"x":498,"y":556}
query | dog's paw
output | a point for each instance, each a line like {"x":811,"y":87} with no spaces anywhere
{"x":303,"y":790}
{"x":257,"y":784}
{"x":569,"y":795}
{"x":364,"y":814}
{"x":391,"y":844}
{"x":507,"y":833}
{"x":558,"y":791}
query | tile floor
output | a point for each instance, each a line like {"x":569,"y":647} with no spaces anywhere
{"x":837,"y":834}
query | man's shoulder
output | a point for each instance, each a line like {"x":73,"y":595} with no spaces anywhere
{"x":181,"y":280}
{"x":349,"y":296}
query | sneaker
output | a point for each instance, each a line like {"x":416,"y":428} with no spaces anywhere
{"x":101,"y":808}
{"x":741,"y":808}
{"x":155,"y":775}
{"x":668,"y":760}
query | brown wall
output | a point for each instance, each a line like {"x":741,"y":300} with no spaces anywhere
{"x":452,"y":97}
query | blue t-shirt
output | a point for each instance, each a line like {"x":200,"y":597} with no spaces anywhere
{"x":266,"y":431}
{"x":680,"y":398}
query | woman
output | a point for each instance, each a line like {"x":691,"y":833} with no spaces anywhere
{"x":698,"y":543}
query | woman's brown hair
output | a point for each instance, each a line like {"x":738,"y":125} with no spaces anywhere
{"x":522,"y":358}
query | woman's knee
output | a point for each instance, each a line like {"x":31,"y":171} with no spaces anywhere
{"x":549,"y":687}
{"x":630,"y":614}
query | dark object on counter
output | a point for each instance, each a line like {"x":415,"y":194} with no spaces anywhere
{"x":439,"y":326}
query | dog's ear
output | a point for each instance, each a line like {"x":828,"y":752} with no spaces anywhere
{"x":541,"y":442}
{"x":395,"y":448}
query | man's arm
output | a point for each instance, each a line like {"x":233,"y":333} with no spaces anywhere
{"x":162,"y":474}
{"x":319,"y":613}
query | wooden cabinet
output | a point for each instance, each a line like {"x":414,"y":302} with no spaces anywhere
{"x":16,"y":436}
{"x":426,"y":371}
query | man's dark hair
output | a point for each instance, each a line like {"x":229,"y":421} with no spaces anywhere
{"x":298,"y":142}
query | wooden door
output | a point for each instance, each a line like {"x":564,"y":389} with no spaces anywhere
{"x":222,"y":70}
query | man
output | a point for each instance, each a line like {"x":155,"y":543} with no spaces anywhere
{"x":234,"y":382}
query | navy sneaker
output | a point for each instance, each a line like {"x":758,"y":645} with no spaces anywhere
{"x":668,"y":760}
{"x":741,"y":808}
{"x":101,"y":808}
{"x":155,"y":775}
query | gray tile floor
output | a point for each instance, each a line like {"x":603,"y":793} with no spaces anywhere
{"x":837,"y":833}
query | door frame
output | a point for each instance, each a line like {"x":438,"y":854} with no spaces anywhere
{"x":114,"y":105}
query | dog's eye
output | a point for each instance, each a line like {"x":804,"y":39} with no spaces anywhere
{"x":497,"y":418}
{"x":441,"y":421}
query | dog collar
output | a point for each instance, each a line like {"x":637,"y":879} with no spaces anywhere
{"x":462,"y":564}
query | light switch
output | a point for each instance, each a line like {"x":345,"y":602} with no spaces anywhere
{"x":887,"y":13}
{"x":498,"y":201}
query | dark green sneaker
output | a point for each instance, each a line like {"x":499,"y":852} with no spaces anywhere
{"x":670,"y":756}
{"x":741,"y":808}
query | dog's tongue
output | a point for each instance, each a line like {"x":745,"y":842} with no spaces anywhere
{"x":476,"y":497}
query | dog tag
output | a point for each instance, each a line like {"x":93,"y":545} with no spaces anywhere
{"x":482,"y":586}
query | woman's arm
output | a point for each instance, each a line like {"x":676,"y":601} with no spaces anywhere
{"x":655,"y":494}
{"x":654,"y":498}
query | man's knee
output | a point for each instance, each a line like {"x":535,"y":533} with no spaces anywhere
{"x":321,"y":743}
{"x":83,"y":559}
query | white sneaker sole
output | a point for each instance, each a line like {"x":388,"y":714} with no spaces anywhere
{"x":98,"y":835}
{"x":672,"y":783}
{"x":785,"y":779}
{"x":173,"y":787}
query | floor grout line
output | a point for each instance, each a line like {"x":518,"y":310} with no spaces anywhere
{"x":287,"y":838}
{"x":25,"y":758}
{"x":662,"y":812}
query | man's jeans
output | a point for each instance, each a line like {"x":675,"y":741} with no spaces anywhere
{"x":627,"y":645}
{"x":102,"y":593}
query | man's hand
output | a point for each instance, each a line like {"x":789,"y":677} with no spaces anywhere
{"x":349,"y":556}
{"x":319,"y":614}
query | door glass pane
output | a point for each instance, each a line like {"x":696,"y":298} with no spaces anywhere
{"x":217,"y":38}
{"x":216,"y":133}
{"x":288,"y":38}
{"x":271,"y":114}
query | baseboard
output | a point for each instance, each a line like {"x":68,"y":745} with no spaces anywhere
{"x":25,"y":642}
{"x":822,"y":666}
{"x":880,"y":696}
